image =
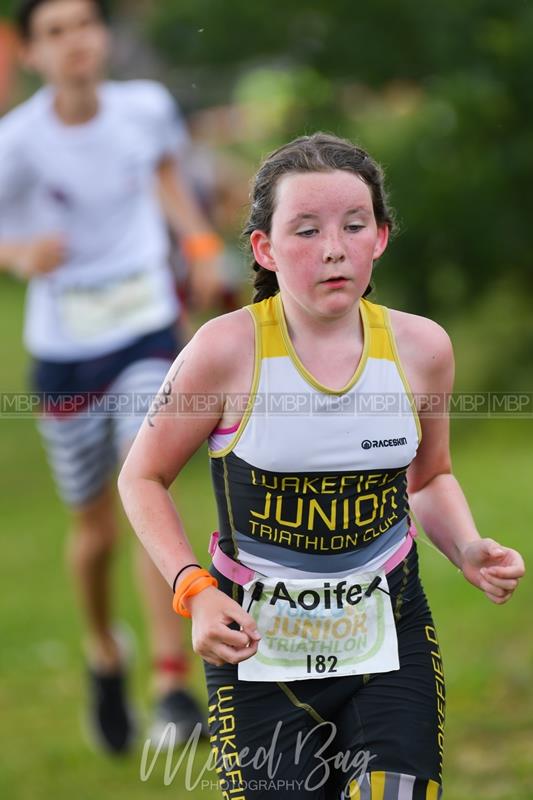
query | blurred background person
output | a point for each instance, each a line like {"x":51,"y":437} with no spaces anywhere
{"x":89,"y":180}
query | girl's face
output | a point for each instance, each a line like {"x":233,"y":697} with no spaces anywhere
{"x":323,"y":240}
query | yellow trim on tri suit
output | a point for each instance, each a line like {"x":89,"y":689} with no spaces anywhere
{"x":231,"y":522}
{"x":300,"y":367}
{"x":403,"y":376}
{"x":380,"y":345}
{"x":272,"y":340}
{"x":253,"y":391}
{"x":299,"y":704}
{"x":272,"y":344}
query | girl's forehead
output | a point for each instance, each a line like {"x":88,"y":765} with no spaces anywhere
{"x":298,"y":190}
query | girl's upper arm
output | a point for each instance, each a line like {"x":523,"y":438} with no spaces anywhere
{"x":189,"y":403}
{"x":435,"y":368}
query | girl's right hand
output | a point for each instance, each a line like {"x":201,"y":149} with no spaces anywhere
{"x":212,"y":611}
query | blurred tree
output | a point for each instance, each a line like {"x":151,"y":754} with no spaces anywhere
{"x":438,"y":92}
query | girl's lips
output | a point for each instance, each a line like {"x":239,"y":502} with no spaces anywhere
{"x":336,"y":281}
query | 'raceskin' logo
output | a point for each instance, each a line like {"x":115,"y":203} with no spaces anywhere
{"x":368,"y":444}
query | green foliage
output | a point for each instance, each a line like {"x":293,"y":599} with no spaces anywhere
{"x":373,"y":41}
{"x":438,"y":92}
{"x":6,"y":8}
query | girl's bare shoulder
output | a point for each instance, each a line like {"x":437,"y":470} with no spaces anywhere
{"x":424,"y":347}
{"x":223,"y":348}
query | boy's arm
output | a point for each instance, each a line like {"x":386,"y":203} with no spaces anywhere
{"x":29,"y":258}
{"x":24,"y":257}
{"x":202,"y":246}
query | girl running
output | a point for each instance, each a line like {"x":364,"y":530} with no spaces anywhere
{"x":322,"y":662}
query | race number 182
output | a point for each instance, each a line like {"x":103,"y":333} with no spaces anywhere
{"x":321,"y":663}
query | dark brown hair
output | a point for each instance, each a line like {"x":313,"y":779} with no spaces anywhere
{"x":26,"y":9}
{"x":321,"y":152}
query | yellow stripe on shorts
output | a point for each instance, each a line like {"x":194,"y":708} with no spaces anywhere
{"x":355,"y":792}
{"x":433,"y":790}
{"x":377,"y":785}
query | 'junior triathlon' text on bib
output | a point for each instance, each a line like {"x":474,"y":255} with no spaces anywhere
{"x":321,"y":629}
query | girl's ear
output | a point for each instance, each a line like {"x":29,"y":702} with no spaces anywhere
{"x":262,"y":250}
{"x":381,"y":241}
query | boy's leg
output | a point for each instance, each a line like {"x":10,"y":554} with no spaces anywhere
{"x":171,"y":660}
{"x":93,"y":535}
{"x":174,"y":705}
{"x":80,"y":453}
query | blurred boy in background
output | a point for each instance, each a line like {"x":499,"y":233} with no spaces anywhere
{"x":88,"y":183}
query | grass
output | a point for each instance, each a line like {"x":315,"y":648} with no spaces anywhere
{"x":488,"y":650}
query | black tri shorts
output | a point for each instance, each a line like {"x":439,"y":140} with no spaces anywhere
{"x":368,"y":737}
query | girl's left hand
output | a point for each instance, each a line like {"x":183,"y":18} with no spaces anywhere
{"x":493,"y":568}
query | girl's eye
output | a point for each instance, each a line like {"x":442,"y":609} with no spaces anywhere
{"x":354,"y":227}
{"x":308,"y":232}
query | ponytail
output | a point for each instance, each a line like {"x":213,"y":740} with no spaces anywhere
{"x":265,"y":283}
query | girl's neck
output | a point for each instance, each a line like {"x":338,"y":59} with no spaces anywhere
{"x":330,"y":349}
{"x":302,"y":324}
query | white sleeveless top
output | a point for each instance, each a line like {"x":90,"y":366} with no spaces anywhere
{"x":312,"y":482}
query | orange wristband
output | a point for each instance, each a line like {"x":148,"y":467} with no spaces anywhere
{"x":193,"y":583}
{"x":198,"y":586}
{"x":200,"y":246}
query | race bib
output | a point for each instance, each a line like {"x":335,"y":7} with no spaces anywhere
{"x":130,"y":305}
{"x":321,"y":628}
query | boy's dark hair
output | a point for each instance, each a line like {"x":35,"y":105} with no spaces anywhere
{"x":321,"y":152}
{"x":26,"y":8}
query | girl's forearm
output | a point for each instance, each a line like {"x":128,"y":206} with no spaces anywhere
{"x":445,"y":516}
{"x":156,"y":522}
